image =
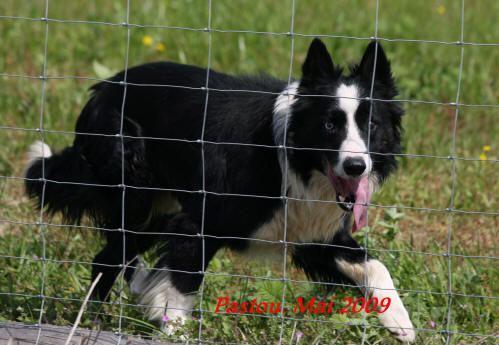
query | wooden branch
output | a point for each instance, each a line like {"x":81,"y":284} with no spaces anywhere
{"x":17,"y":333}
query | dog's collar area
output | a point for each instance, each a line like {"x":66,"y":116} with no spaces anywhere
{"x":347,"y":204}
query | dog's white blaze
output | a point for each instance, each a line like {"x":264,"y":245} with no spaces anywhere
{"x":164,"y":299}
{"x":353,"y":145}
{"x":307,"y":221}
{"x":348,"y":101}
{"x":380,"y":285}
{"x":36,"y":151}
{"x":282,"y":111}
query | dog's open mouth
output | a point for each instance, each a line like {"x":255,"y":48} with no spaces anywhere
{"x":352,"y":194}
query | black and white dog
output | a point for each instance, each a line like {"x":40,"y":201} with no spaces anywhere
{"x":323,"y":119}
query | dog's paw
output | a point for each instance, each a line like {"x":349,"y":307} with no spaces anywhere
{"x":397,"y":320}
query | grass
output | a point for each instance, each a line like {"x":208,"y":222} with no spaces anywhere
{"x":425,"y":71}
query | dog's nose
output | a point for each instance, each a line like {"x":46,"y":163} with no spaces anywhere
{"x":354,"y":166}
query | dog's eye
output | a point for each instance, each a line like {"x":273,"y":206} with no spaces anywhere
{"x":373,"y":126}
{"x":329,"y":126}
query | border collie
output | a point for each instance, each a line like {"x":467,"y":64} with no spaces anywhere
{"x":282,"y":162}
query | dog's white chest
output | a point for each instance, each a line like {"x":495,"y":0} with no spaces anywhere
{"x":309,"y":220}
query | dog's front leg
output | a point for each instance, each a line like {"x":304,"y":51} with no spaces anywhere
{"x":374,"y":275}
{"x":346,"y":261}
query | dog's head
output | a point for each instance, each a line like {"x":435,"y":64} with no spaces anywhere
{"x":332,"y":112}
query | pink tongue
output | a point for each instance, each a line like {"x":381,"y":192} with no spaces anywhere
{"x":357,"y":187}
{"x":362,"y":195}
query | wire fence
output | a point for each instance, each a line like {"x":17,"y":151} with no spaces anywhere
{"x":42,"y":223}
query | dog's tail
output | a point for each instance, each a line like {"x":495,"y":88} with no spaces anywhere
{"x":60,"y":181}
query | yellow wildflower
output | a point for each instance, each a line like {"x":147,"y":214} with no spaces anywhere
{"x":486,"y":148}
{"x":71,"y":289}
{"x":160,"y":47}
{"x":147,"y":40}
{"x":482,"y":156}
{"x":441,"y":9}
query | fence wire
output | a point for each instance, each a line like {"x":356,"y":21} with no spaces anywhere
{"x":42,"y":229}
{"x":453,"y":187}
{"x":209,"y":30}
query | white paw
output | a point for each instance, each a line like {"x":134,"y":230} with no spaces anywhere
{"x":166,"y":305}
{"x":397,"y":320}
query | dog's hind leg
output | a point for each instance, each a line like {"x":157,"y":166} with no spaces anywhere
{"x":171,"y":289}
{"x":349,"y":263}
{"x":109,"y":262}
{"x":137,"y":276}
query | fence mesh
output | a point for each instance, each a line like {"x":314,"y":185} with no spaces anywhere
{"x":43,"y":223}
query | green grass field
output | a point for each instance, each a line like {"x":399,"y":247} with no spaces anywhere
{"x":424,"y":71}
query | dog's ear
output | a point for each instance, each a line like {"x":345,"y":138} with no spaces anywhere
{"x":383,"y":71}
{"x":318,"y":64}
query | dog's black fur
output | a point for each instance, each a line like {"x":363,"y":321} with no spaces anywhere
{"x":164,"y":102}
